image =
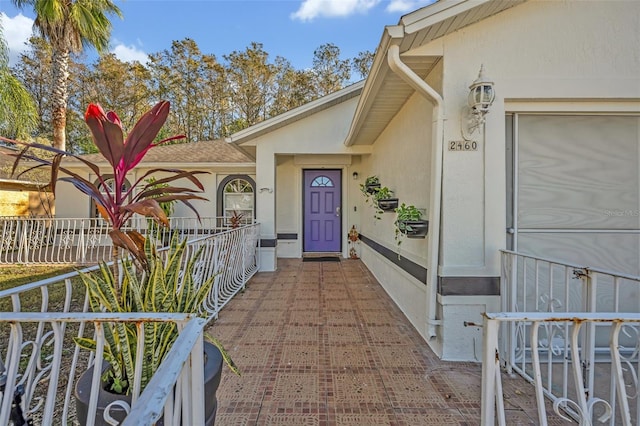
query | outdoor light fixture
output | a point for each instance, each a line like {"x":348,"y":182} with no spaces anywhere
{"x":481,"y":96}
{"x":355,"y":175}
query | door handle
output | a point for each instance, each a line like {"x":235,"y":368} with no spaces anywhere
{"x":338,"y":211}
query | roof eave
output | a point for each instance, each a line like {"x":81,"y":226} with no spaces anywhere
{"x":23,"y":185}
{"x":376,"y":75}
{"x":405,"y":34}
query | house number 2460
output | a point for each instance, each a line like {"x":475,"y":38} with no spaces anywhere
{"x":463,"y":146}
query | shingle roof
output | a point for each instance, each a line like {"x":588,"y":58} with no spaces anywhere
{"x":217,"y":151}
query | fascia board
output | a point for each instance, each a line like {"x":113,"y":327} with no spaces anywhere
{"x":373,"y":81}
{"x":436,"y":13}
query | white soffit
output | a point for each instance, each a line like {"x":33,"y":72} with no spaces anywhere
{"x":384,"y":92}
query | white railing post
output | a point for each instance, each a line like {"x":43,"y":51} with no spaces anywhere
{"x":23,"y":252}
{"x":490,"y":370}
{"x":617,"y":375}
{"x":588,"y":348}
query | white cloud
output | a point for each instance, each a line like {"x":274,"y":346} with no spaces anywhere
{"x":130,"y":53}
{"x":311,"y":9}
{"x":404,"y":6}
{"x":17,"y":31}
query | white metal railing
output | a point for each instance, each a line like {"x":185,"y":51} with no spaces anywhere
{"x":85,"y":241}
{"x":33,"y":392}
{"x":549,"y":289}
{"x":38,"y":322}
{"x":558,"y":373}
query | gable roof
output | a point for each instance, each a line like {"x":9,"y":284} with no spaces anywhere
{"x":385,"y":92}
{"x":216,"y":152}
{"x":296,"y":114}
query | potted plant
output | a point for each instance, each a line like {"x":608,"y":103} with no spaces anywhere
{"x":235,"y":220}
{"x":118,"y":289}
{"x":166,"y":286}
{"x":369,"y":187}
{"x":409,"y":223}
{"x":384,"y":200}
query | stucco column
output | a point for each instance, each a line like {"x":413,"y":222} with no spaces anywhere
{"x":266,"y":206}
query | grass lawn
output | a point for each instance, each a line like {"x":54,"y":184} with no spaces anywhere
{"x":15,"y":275}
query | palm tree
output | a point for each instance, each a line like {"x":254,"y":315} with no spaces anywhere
{"x":69,"y":26}
{"x":18,"y":115}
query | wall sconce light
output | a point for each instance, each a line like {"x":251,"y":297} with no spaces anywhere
{"x":269,"y":190}
{"x":355,"y":175}
{"x":481,"y":97}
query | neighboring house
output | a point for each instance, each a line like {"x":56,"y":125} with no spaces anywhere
{"x":229,"y":185}
{"x":28,"y":196}
{"x":553,"y":171}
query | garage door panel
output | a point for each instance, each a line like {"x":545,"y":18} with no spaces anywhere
{"x":611,"y":251}
{"x":578,"y":172}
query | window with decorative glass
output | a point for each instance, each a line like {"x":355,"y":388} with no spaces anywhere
{"x":238,"y":196}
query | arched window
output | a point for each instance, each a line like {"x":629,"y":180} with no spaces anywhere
{"x":110,"y":184}
{"x":237,"y":194}
{"x":322,"y":181}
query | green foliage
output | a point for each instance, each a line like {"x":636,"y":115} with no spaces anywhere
{"x":382,"y":193}
{"x":362,"y":63}
{"x":211,"y":97}
{"x":405,"y":213}
{"x":168,"y":286}
{"x":331,"y":72}
{"x":69,"y":26}
{"x":18,"y":115}
{"x":365,"y":187}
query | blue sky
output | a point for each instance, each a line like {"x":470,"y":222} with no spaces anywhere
{"x":292,"y":29}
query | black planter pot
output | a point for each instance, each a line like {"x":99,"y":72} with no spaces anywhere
{"x":415,"y":228}
{"x":212,"y":376}
{"x":387,"y":204}
{"x":372,"y":187}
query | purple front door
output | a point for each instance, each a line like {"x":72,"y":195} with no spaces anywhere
{"x":322,"y":210}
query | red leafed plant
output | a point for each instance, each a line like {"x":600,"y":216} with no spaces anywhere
{"x":123,"y":154}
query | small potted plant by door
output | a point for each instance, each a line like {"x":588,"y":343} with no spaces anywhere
{"x":384,"y":199}
{"x":409,"y":222}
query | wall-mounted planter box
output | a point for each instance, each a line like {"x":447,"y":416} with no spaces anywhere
{"x":387,"y":204}
{"x":414,"y":228}
{"x":372,"y":187}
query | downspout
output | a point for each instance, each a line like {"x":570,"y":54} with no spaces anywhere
{"x":411,"y":78}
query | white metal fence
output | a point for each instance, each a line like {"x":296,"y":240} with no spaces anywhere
{"x":38,"y":322}
{"x":85,"y":241}
{"x":572,"y":331}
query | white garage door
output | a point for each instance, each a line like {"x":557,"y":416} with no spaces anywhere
{"x":576,"y":189}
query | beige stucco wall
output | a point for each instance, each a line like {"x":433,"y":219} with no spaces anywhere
{"x":543,"y":57}
{"x":536,"y":53}
{"x":401,"y":159}
{"x":313,"y":142}
{"x":73,"y":204}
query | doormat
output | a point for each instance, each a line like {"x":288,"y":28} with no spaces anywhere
{"x":321,"y":259}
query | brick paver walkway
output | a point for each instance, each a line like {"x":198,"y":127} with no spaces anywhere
{"x":321,"y":343}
